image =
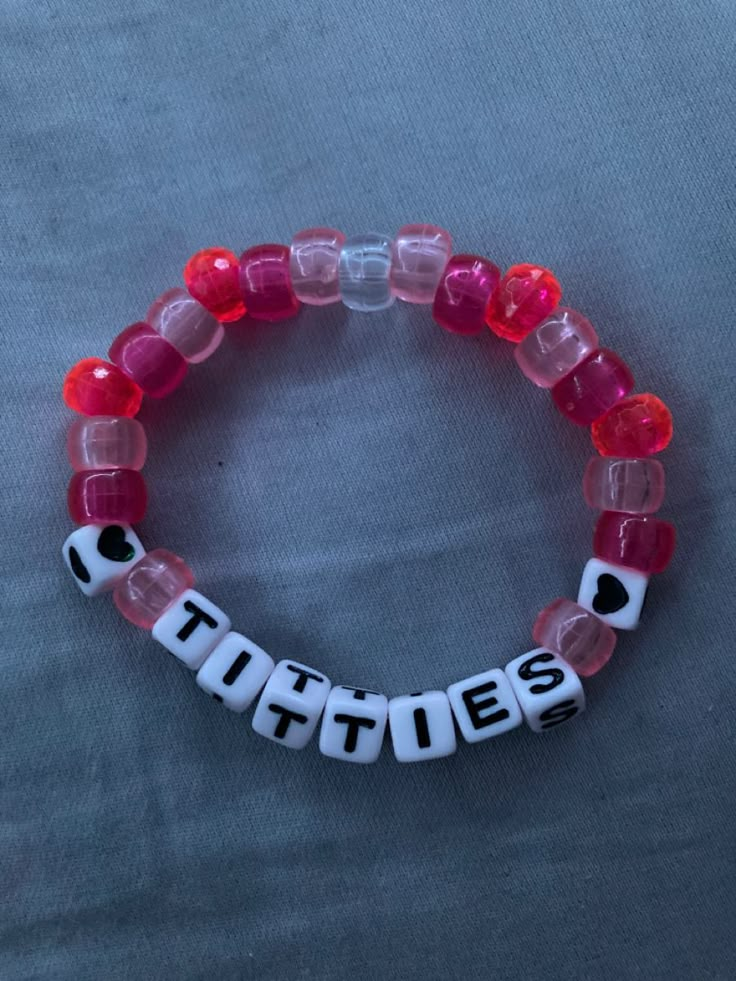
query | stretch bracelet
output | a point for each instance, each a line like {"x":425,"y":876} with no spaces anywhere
{"x":557,"y":349}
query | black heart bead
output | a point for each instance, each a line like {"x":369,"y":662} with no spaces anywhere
{"x":79,"y":569}
{"x":112,"y":545}
{"x":611,"y":595}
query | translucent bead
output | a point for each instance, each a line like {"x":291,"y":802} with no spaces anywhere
{"x":463,"y":293}
{"x":365,"y":272}
{"x":266,"y":284}
{"x":107,"y":497}
{"x":98,"y":388}
{"x":634,"y":486}
{"x":151,"y":586}
{"x":555,"y":347}
{"x":212,"y":276}
{"x":524,"y":297}
{"x":637,"y":426}
{"x":148,"y":358}
{"x":592,"y":388}
{"x":185,"y":324}
{"x":576,"y":635}
{"x":636,"y":541}
{"x":418,"y":259}
{"x":314,"y":257}
{"x":106,"y":443}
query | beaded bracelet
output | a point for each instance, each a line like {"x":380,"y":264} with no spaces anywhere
{"x":557,"y":349}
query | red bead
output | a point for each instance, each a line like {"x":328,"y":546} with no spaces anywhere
{"x":265,"y":283}
{"x":592,"y":388}
{"x":637,"y":541}
{"x":98,"y":388}
{"x":521,"y":301}
{"x":634,"y":427}
{"x":107,"y":496}
{"x":148,"y":358}
{"x":212,"y":276}
{"x":463,"y":292}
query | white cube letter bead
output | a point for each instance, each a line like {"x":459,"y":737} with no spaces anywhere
{"x":421,"y":726}
{"x":98,"y":555}
{"x":484,"y":705}
{"x":235,"y":672}
{"x":613,"y":593}
{"x":547,"y":689}
{"x":353,"y":724}
{"x":292,"y":701}
{"x":191,"y":627}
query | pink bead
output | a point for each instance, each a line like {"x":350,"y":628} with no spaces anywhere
{"x":266,"y":284}
{"x":106,"y":443}
{"x":107,"y":497}
{"x":463,"y":292}
{"x":636,"y":426}
{"x":151,"y":586}
{"x":593,"y":387}
{"x":313,"y":265}
{"x":419,"y":256}
{"x":635,"y":486}
{"x":146,"y":357}
{"x":185,"y":324}
{"x":579,"y":637}
{"x":637,"y":541}
{"x":559,"y":344}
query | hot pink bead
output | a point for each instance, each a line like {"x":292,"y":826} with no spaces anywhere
{"x":634,"y":486}
{"x":418,"y":258}
{"x":107,"y":497}
{"x":313,"y":265}
{"x":185,"y":324}
{"x":463,"y":292}
{"x":579,"y":637}
{"x":98,"y":388}
{"x":148,"y":359}
{"x":557,"y":346}
{"x":265,"y":283}
{"x":521,"y":301}
{"x":106,"y":443}
{"x":636,"y":426}
{"x":212,"y":276}
{"x":151,"y":586}
{"x":637,"y":541}
{"x":592,"y":388}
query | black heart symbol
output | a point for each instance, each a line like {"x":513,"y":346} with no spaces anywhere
{"x":79,"y":569}
{"x":611,"y":595}
{"x":112,"y":544}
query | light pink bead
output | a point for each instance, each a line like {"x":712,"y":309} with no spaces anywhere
{"x":579,"y":637}
{"x":634,"y":486}
{"x":106,"y":443}
{"x":418,"y":259}
{"x":557,"y":346}
{"x":313,"y":265}
{"x":151,"y":586}
{"x":185,"y":324}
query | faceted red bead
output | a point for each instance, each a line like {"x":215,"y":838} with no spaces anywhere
{"x":212,"y":276}
{"x":148,"y":358}
{"x":98,"y":388}
{"x":107,"y":496}
{"x":524,"y":297}
{"x":592,"y":388}
{"x":463,"y":291}
{"x":637,"y":541}
{"x":634,"y":427}
{"x":265,"y":283}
